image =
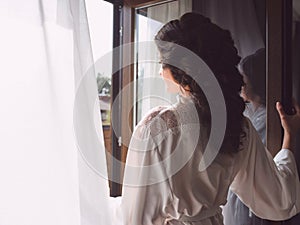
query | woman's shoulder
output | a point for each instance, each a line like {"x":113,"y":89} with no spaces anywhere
{"x":160,"y":119}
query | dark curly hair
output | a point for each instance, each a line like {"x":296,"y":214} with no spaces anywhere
{"x":215,"y":47}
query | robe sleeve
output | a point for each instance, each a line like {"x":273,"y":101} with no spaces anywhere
{"x":268,"y":186}
{"x":146,"y":191}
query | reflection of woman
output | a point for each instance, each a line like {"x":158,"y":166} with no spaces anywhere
{"x":253,"y":69}
{"x":154,"y":195}
{"x":253,"y":92}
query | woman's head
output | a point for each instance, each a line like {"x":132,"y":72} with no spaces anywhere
{"x":216,"y":48}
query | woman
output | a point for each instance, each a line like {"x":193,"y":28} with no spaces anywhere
{"x":154,"y":193}
{"x":253,"y":70}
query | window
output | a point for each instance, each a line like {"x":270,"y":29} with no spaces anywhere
{"x":100,"y":16}
{"x":150,"y":90}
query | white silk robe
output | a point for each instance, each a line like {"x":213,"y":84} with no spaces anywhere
{"x":163,"y":185}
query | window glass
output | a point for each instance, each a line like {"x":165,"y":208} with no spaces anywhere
{"x":150,"y":89}
{"x":100,"y":17}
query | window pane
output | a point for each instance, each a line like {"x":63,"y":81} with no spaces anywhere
{"x":100,"y":16}
{"x":150,"y":90}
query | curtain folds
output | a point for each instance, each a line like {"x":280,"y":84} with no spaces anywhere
{"x":52,"y":164}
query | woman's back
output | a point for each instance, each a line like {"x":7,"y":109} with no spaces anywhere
{"x":177,"y":192}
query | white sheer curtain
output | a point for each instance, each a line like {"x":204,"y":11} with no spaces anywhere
{"x":52,"y":163}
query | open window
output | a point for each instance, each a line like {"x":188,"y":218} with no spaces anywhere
{"x":150,"y":88}
{"x":139,"y":20}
